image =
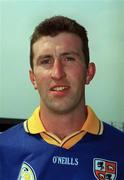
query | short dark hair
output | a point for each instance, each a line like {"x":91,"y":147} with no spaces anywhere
{"x":58,"y":24}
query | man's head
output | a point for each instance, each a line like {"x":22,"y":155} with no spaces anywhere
{"x":60,"y":64}
{"x":56,"y":25}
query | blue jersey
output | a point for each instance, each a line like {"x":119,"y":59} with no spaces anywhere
{"x":25,"y":156}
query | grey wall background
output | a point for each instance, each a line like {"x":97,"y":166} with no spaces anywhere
{"x":104,"y":20}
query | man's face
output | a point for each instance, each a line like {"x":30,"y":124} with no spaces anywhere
{"x":59,"y":72}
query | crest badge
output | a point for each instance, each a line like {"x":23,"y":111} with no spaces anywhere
{"x":26,"y":172}
{"x":104,"y":169}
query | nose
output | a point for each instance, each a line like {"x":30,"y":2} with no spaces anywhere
{"x":58,"y":71}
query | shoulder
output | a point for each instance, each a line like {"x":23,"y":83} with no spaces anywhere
{"x":17,"y":137}
{"x":12,"y":134}
{"x":113,"y":134}
{"x":12,"y":130}
{"x":15,"y":141}
{"x":113,"y":129}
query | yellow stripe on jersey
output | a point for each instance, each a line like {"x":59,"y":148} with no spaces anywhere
{"x":92,"y":125}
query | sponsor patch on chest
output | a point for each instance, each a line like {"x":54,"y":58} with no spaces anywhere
{"x":104,"y":169}
{"x":26,"y":172}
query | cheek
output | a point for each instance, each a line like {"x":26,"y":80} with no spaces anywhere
{"x":42,"y":80}
{"x":78,"y":74}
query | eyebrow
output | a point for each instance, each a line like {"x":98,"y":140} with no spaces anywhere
{"x":70,"y":53}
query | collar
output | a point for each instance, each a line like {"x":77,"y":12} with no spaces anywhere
{"x":92,"y":124}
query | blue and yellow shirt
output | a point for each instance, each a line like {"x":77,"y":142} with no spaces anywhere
{"x":92,"y":125}
{"x":29,"y":152}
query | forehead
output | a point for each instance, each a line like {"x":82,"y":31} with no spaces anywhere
{"x":59,"y":43}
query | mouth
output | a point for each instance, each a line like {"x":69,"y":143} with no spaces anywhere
{"x":59,"y":88}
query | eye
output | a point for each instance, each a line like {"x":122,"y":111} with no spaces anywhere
{"x":69,"y":58}
{"x":45,"y":61}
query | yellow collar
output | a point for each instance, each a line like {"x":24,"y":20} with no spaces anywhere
{"x":92,"y":124}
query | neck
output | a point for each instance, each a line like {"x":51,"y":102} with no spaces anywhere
{"x":63,"y":125}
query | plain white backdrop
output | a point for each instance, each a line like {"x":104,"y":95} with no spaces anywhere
{"x":104,"y":21}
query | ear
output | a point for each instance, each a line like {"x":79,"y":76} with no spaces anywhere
{"x":91,"y":70}
{"x":33,"y":79}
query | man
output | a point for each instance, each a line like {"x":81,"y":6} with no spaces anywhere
{"x":63,"y":139}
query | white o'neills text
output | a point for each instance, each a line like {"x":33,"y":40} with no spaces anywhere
{"x":65,"y":160}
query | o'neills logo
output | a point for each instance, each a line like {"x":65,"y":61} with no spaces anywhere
{"x":65,"y":160}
